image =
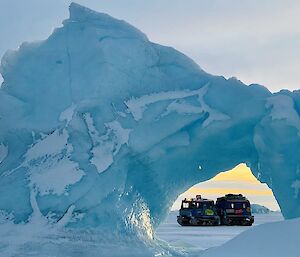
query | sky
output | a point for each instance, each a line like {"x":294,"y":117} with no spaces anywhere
{"x":253,"y":40}
{"x":239,"y":180}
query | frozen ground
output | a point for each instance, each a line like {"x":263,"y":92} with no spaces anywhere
{"x":201,"y":238}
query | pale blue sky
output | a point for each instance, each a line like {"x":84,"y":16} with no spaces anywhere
{"x":254,"y":40}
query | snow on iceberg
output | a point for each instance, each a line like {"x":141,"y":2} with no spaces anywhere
{"x":103,"y":129}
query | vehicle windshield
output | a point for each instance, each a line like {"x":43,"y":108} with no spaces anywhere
{"x":206,"y":205}
{"x":198,"y":205}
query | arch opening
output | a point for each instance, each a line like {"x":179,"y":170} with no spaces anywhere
{"x":239,"y":180}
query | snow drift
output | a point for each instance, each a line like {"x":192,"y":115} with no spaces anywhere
{"x":262,"y":241}
{"x":103,"y":129}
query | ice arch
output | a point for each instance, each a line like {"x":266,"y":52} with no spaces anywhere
{"x":99,"y":123}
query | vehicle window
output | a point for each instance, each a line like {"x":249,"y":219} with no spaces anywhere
{"x":237,"y":205}
{"x":185,"y":205}
{"x":193,"y":205}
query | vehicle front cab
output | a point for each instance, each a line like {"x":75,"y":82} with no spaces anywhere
{"x":198,"y":212}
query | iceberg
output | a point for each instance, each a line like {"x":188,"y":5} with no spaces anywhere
{"x":102,"y":129}
{"x":259,"y":209}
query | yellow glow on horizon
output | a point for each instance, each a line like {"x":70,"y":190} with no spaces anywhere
{"x":223,"y":191}
{"x":239,"y":173}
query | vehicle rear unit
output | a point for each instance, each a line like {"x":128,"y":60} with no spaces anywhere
{"x":234,"y":209}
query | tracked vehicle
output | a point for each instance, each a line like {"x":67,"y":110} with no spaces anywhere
{"x":234,"y":209}
{"x":198,"y":212}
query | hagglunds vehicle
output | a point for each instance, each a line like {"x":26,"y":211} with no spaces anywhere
{"x":198,"y":212}
{"x":234,"y":209}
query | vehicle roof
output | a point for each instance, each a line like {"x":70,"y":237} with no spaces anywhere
{"x":233,"y":197}
{"x":197,"y":200}
{"x":234,"y":200}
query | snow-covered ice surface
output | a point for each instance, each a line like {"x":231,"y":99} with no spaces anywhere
{"x":276,"y":239}
{"x":101,"y":130}
{"x":195,"y":239}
